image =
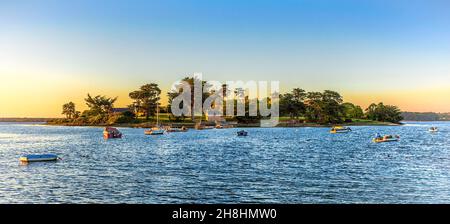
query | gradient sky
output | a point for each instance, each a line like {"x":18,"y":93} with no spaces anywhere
{"x":52,"y":52}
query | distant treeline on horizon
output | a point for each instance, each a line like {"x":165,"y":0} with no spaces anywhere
{"x":427,"y":116}
{"x":24,"y":119}
{"x":408,"y":116}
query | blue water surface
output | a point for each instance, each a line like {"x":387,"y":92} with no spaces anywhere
{"x":270,"y":165}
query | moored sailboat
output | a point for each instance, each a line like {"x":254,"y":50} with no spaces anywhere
{"x":157,"y":130}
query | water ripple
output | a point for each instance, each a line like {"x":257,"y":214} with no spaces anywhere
{"x":278,"y":165}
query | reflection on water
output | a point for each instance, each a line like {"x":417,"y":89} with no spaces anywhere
{"x":278,"y":165}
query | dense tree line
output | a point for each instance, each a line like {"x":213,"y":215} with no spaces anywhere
{"x":146,"y":100}
{"x":70,"y":111}
{"x":100,"y":109}
{"x":189,"y":81}
{"x":328,"y":108}
{"x":381,"y":112}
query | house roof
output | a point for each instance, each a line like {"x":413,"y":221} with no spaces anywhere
{"x":120,"y":110}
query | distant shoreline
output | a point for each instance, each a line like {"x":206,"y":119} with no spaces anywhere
{"x":47,"y":121}
{"x":239,"y":125}
{"x":26,"y":119}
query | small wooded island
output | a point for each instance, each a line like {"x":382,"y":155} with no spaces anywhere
{"x":297,"y":108}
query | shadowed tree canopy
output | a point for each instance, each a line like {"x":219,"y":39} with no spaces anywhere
{"x":190,"y":81}
{"x":352,"y":111}
{"x":314,"y":106}
{"x":292,"y":104}
{"x":146,"y":99}
{"x":384,"y":113}
{"x":100,"y":104}
{"x":70,"y":111}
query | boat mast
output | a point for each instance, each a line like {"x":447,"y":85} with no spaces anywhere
{"x":157,"y":114}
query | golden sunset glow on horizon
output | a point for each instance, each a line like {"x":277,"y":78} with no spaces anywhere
{"x":54,"y":52}
{"x":32,"y":96}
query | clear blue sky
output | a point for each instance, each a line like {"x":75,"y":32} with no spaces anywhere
{"x":115,"y":46}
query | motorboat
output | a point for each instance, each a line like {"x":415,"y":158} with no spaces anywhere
{"x":110,"y":132}
{"x":155,"y":131}
{"x":340,"y":129}
{"x":222,"y":126}
{"x":386,"y":138}
{"x":242,"y":133}
{"x":182,"y":129}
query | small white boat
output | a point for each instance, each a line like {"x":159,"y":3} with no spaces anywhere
{"x":38,"y":158}
{"x":433,"y":129}
{"x":155,"y":131}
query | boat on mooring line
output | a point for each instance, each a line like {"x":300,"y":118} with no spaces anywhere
{"x":242,"y":133}
{"x":182,"y":129}
{"x":110,"y":132}
{"x":155,"y":131}
{"x":158,"y":129}
{"x":386,"y":138}
{"x":340,"y":130}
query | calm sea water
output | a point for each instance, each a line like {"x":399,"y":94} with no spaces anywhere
{"x":278,"y":165}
